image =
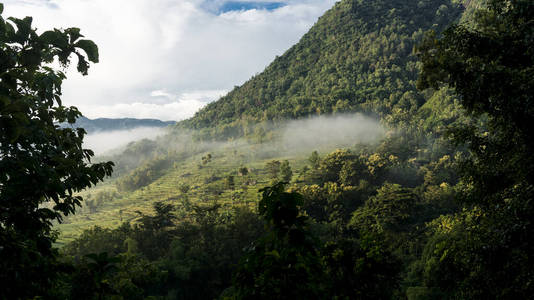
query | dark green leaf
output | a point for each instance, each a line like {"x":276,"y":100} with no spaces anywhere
{"x":54,"y":37}
{"x":90,"y":48}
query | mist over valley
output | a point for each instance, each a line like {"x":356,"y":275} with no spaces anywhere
{"x":376,"y":158}
{"x":102,"y":142}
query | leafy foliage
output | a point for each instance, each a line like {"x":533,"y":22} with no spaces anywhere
{"x":290,"y":263}
{"x":490,"y":65}
{"x":285,"y":263}
{"x":389,"y":210}
{"x":42,"y":166}
{"x":412,"y":216}
{"x":285,"y":171}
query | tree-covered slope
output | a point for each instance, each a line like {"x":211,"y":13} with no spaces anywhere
{"x":357,"y":57}
{"x":416,"y":215}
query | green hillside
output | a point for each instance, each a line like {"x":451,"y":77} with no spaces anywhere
{"x":387,"y":155}
{"x":357,"y":57}
{"x":383,"y":206}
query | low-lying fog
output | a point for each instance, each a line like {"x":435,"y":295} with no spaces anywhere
{"x":333,"y":131}
{"x":293,"y":137}
{"x":104,"y":141}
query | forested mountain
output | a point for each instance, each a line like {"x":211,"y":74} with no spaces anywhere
{"x":106,"y":124}
{"x":436,"y":205}
{"x":370,"y":201}
{"x":357,"y":57}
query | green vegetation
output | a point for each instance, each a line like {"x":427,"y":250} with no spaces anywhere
{"x":42,"y":166}
{"x":288,"y":262}
{"x":490,"y":66}
{"x":439,"y":207}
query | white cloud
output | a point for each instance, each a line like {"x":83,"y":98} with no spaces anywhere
{"x":175,"y":46}
{"x":160,"y":93}
{"x":167,"y":107}
{"x":101,"y":142}
{"x":166,"y":112}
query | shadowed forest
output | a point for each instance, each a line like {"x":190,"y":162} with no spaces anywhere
{"x":386,"y":155}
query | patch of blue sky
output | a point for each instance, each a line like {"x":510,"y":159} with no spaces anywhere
{"x":237,"y":6}
{"x":241,"y":5}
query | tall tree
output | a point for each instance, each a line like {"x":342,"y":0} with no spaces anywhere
{"x":314,"y":160}
{"x":273,"y":168}
{"x":289,"y":262}
{"x":285,"y":263}
{"x":484,"y":251}
{"x":42,"y":166}
{"x":285,"y":171}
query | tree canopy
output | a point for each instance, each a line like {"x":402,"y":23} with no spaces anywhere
{"x":482,"y":251}
{"x":440,"y":208}
{"x":42,"y":166}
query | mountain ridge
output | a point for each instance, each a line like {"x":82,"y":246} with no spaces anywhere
{"x":112,"y":124}
{"x":358,"y":57}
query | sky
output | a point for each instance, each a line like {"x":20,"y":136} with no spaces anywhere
{"x":166,"y":59}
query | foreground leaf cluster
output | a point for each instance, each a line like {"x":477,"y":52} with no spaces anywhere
{"x":42,"y":166}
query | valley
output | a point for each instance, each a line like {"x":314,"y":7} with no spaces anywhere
{"x":385,"y":155}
